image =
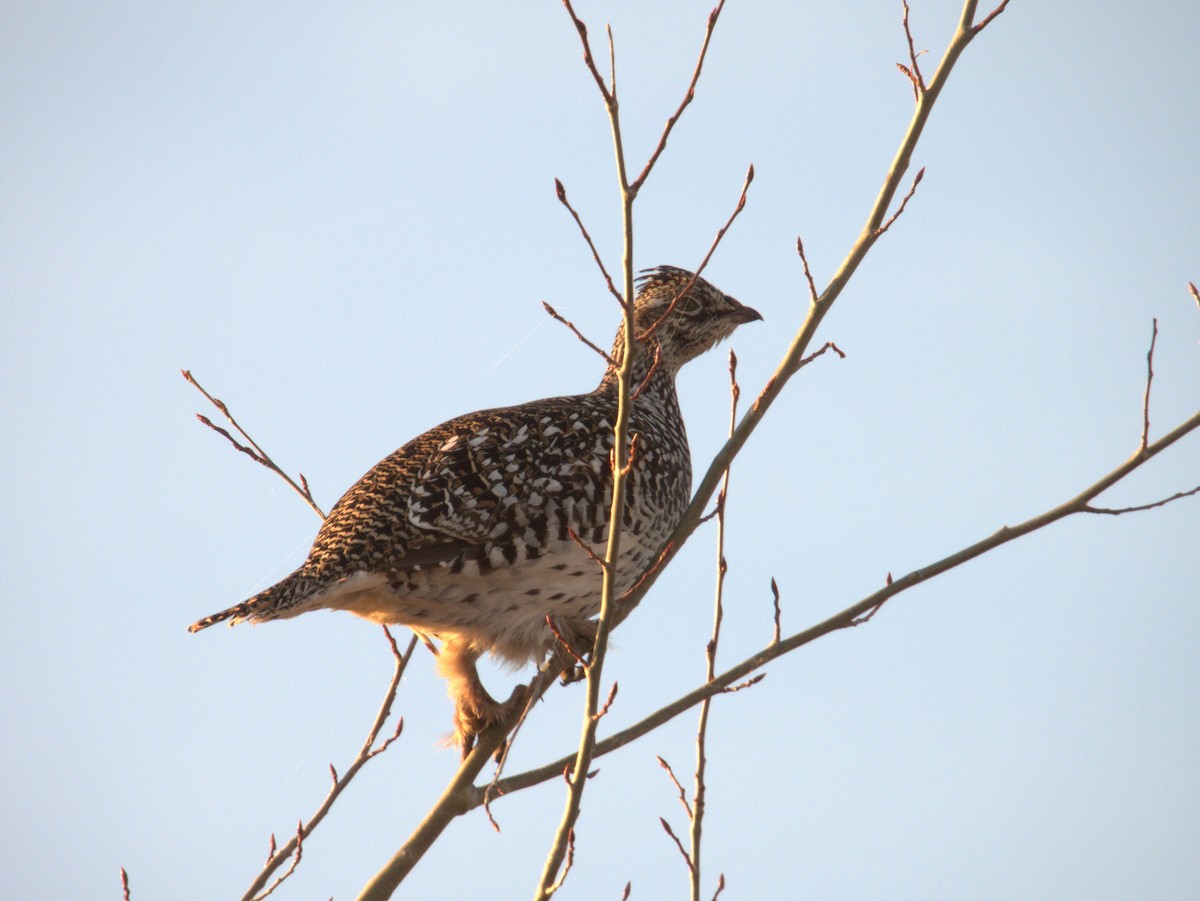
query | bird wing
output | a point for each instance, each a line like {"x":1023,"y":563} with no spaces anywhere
{"x":511,"y":473}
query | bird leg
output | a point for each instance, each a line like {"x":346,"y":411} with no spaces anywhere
{"x":474,"y":709}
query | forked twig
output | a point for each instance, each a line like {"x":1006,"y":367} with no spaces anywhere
{"x":298,"y":844}
{"x":913,"y":70}
{"x":253,"y":451}
{"x":368,"y":751}
{"x":688,"y":97}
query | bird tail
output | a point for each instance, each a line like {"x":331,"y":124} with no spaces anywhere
{"x":277,"y":602}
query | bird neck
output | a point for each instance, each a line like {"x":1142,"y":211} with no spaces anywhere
{"x":651,"y":373}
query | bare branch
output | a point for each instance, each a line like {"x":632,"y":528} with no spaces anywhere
{"x":124,"y":885}
{"x":1117,"y":511}
{"x":562,"y":197}
{"x":254,"y":452}
{"x":649,"y":372}
{"x":298,"y":842}
{"x":913,"y":70}
{"x":567,"y":865}
{"x":368,"y":751}
{"x":587,"y":54}
{"x":687,"y":98}
{"x":778,"y":612}
{"x":1195,"y":294}
{"x":554,"y":314}
{"x":988,"y":20}
{"x":1149,"y":380}
{"x":678,"y":786}
{"x":753,"y":680}
{"x":587,"y":550}
{"x":845,"y":619}
{"x":612,"y":696}
{"x":903,"y":203}
{"x":812,"y":288}
{"x":566,"y":645}
{"x":678,"y":844}
{"x":741,"y":205}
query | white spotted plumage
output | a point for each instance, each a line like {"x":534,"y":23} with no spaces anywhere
{"x":471,"y":532}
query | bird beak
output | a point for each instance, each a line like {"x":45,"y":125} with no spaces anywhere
{"x":744,"y":314}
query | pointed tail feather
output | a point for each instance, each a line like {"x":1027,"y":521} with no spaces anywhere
{"x":277,"y":601}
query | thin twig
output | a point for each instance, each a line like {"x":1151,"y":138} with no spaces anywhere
{"x":688,"y":97}
{"x":778,"y":612}
{"x":649,"y":372}
{"x":1149,"y":380}
{"x":988,"y":19}
{"x":699,"y":786}
{"x":612,"y":696}
{"x":254,"y":452}
{"x":554,"y":314}
{"x":1195,"y":294}
{"x":1117,"y":511}
{"x":368,"y":751}
{"x":566,"y":645}
{"x":903,"y":203}
{"x":567,"y":865}
{"x":124,"y":885}
{"x":562,"y":197}
{"x":298,"y":843}
{"x":913,"y":73}
{"x":678,"y":844}
{"x":678,"y":786}
{"x":812,"y":287}
{"x":588,"y":60}
{"x":844,"y":619}
{"x":712,"y":248}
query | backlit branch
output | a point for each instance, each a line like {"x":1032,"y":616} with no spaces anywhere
{"x":253,"y":451}
{"x":369,"y":750}
{"x":856,"y":613}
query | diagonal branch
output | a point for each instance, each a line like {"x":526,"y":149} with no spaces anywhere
{"x":852,"y":615}
{"x":562,"y":198}
{"x":712,"y":248}
{"x":688,"y":97}
{"x":554,"y":314}
{"x":795,"y":354}
{"x":254,"y":452}
{"x":367,"y":752}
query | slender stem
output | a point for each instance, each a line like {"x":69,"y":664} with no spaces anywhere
{"x":699,"y":792}
{"x":365,"y":753}
{"x":795,"y":353}
{"x":550,"y":879}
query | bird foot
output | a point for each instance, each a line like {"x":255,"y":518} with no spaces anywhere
{"x":477,"y":711}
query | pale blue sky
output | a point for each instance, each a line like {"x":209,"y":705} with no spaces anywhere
{"x":341,"y":218}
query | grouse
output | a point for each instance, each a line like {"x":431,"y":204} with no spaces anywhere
{"x":474,"y":533}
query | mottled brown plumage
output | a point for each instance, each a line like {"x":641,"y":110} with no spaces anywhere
{"x":465,"y":533}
